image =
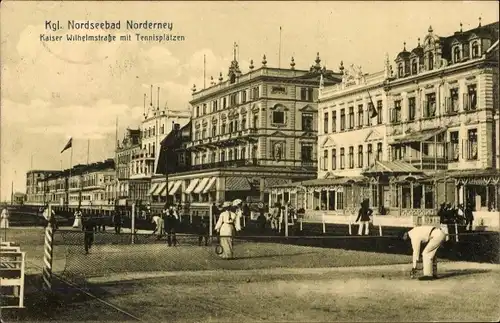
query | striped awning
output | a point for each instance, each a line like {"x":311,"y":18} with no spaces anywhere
{"x":210,"y":185}
{"x":152,"y":189}
{"x":159,"y":189}
{"x":175,"y":187}
{"x":201,"y":185}
{"x":237,"y":184}
{"x":192,"y":185}
{"x":275,"y":181}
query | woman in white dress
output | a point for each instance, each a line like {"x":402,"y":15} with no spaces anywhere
{"x":227,"y":226}
{"x":4,"y":219}
{"x":78,"y":219}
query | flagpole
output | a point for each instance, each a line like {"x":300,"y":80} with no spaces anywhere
{"x":88,"y":150}
{"x":279,"y":51}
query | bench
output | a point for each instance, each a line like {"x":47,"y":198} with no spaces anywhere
{"x":12,"y":272}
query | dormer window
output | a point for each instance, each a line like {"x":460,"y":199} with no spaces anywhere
{"x":456,"y":54}
{"x":475,"y":49}
{"x":400,"y":70}
{"x":414,"y":67}
{"x":431,"y":61}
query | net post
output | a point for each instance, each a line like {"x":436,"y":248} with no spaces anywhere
{"x":285,"y":216}
{"x":456,"y":231}
{"x":132,"y":226}
{"x":210,"y":222}
{"x":323,"y":220}
{"x":48,"y":251}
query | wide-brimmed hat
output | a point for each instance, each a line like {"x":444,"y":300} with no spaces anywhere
{"x":237,"y":202}
{"x":227,"y":204}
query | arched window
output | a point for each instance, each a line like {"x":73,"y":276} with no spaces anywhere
{"x":243,"y":153}
{"x":431,"y":61}
{"x":230,"y":155}
{"x":214,"y":130}
{"x":456,"y":54}
{"x":414,"y":67}
{"x":223,"y":130}
{"x":475,"y":49}
{"x":222,"y":156}
{"x":400,"y":70}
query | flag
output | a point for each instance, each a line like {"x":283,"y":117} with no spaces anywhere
{"x":68,"y":145}
{"x":372,"y":107}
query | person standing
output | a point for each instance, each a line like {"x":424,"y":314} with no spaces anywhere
{"x":88,"y":228}
{"x":4,"y":219}
{"x":117,"y":221}
{"x":171,"y":218}
{"x":227,"y":226}
{"x":364,"y":215}
{"x":433,"y":237}
{"x":469,"y":217}
{"x":78,"y":219}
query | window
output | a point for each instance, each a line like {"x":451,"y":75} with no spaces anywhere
{"x":334,"y":159}
{"x":351,"y":117}
{"x":197,"y":111}
{"x":214,"y":106}
{"x":454,"y":153}
{"x":235,"y":127}
{"x":212,"y":157}
{"x":472,"y":144}
{"x":255,"y":93}
{"x":222,"y":156}
{"x":306,"y":94}
{"x":203,"y":133}
{"x":278,"y":117}
{"x":351,"y":157}
{"x":360,"y":156}
{"x":325,"y":123}
{"x":342,"y":158}
{"x":243,"y":96}
{"x":456,"y":54}
{"x":431,"y":61}
{"x":475,"y":49}
{"x":214,"y":130}
{"x":243,"y":153}
{"x":204,"y":108}
{"x":230,"y":155}
{"x":379,"y":151}
{"x":306,"y":152}
{"x":360,"y":116}
{"x":452,"y":102}
{"x":233,"y":99}
{"x":379,"y":112}
{"x":224,"y":102}
{"x":243,"y":124}
{"x":325,"y":159}
{"x":369,"y":114}
{"x":396,"y":112}
{"x":342,"y":119}
{"x":255,"y":121}
{"x":430,"y":105}
{"x":231,"y":129}
{"x":400,"y":70}
{"x":470,"y":98}
{"x":307,"y":121}
{"x":334,"y":121}
{"x":223,"y":129}
{"x":411,"y":109}
{"x":369,"y":154}
{"x":414,"y":67}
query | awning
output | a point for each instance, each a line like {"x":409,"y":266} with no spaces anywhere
{"x":201,"y":185}
{"x":270,"y":182}
{"x":419,"y":136}
{"x":152,"y":189}
{"x":159,"y":190}
{"x":210,"y":184}
{"x":392,"y":167}
{"x":237,"y":184}
{"x":175,"y":188}
{"x":192,"y":185}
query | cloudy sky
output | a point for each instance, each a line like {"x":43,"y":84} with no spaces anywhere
{"x":53,"y":91}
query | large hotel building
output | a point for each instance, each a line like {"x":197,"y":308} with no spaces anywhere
{"x":248,"y":132}
{"x":410,"y":139}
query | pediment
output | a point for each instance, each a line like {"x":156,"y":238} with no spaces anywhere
{"x":328,"y":142}
{"x":308,"y":134}
{"x":374,"y":136}
{"x":278,"y":134}
{"x":255,"y":108}
{"x":307,"y":108}
{"x":472,"y":36}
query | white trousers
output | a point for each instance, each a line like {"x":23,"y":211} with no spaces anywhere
{"x":366,"y":224}
{"x":429,"y":252}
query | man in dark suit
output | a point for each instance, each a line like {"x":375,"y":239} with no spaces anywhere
{"x":88,"y":227}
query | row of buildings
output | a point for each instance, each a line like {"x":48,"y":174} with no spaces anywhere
{"x":406,"y":139}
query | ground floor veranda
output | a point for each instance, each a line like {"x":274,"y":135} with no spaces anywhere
{"x":397,"y":197}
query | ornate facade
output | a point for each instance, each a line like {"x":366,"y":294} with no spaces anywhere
{"x":412,"y":139}
{"x":252,"y":131}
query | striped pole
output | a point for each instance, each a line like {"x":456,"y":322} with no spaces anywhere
{"x":47,"y":251}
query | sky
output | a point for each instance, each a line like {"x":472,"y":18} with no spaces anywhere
{"x":51,"y":91}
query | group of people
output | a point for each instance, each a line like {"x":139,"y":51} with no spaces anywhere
{"x":449,"y":214}
{"x":165,"y":223}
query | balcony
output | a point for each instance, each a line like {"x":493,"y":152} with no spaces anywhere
{"x":224,"y":140}
{"x":143,"y":154}
{"x":227,"y":164}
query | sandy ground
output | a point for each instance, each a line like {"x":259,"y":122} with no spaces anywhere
{"x":267,"y":282}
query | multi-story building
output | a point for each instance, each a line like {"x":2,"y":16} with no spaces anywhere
{"x":128,"y":154}
{"x":157,"y":123}
{"x":430,"y":136}
{"x":82,"y":185}
{"x":35,"y":185}
{"x":251,"y":131}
